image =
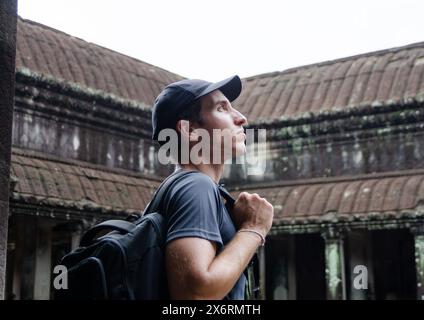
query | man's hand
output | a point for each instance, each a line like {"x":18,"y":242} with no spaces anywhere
{"x":196,"y":271}
{"x":250,"y":211}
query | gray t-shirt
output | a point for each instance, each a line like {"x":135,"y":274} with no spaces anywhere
{"x":194,"y":208}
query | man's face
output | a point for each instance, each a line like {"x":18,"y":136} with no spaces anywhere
{"x":217,"y":113}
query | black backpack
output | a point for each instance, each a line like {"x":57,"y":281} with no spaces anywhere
{"x":127,"y":263}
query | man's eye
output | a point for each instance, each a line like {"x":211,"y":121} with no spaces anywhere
{"x":220,"y":107}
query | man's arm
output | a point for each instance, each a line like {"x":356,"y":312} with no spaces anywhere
{"x":196,"y":272}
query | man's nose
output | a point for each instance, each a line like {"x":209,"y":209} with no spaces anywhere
{"x":239,"y":119}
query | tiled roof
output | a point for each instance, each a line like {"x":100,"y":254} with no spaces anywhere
{"x":379,"y":77}
{"x":44,"y":181}
{"x":48,"y":51}
{"x":383,"y":195}
{"x":383,"y":76}
{"x":40,"y":180}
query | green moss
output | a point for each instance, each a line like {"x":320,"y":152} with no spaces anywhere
{"x":419,"y":258}
{"x":333,"y":270}
{"x":79,"y":89}
{"x":297,"y":145}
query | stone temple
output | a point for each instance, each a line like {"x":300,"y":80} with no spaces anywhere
{"x":344,"y":164}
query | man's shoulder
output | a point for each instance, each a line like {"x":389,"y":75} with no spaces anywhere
{"x":194,"y":190}
{"x":195,"y":179}
{"x":193,"y":185}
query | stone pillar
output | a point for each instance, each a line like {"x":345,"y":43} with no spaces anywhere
{"x":418,"y":232}
{"x":280,"y":268}
{"x":360,"y":265}
{"x":19,"y":255}
{"x":26,"y":266}
{"x":43,"y":253}
{"x":291,"y":268}
{"x":8,"y":9}
{"x":76,"y":234}
{"x":33,"y":251}
{"x":334,"y":265}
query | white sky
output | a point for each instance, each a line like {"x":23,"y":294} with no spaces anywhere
{"x":215,"y":39}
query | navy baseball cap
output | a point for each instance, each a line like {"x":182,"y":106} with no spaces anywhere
{"x":179,"y":95}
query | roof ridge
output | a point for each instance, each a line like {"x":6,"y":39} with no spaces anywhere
{"x":337,"y":60}
{"x":80,"y":88}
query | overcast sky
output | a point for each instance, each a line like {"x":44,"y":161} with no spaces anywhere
{"x":215,"y":39}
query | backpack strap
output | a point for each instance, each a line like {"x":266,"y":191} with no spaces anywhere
{"x":229,"y":200}
{"x":111,"y":225}
{"x":252,"y":271}
{"x":161,"y":191}
{"x":124,"y":226}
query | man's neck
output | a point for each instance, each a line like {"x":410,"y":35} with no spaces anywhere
{"x":214,"y":171}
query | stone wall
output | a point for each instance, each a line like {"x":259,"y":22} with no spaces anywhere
{"x":8,"y":9}
{"x":361,"y":144}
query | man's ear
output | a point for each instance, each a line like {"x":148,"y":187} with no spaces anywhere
{"x":187,"y":130}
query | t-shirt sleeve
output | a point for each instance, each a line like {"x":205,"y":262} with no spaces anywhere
{"x":194,"y":209}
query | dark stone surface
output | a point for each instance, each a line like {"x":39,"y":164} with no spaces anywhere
{"x":390,"y":152}
{"x":8,"y":9}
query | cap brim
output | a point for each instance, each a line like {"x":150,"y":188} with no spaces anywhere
{"x":230,"y":87}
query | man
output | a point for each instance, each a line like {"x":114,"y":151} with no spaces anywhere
{"x":207,"y":250}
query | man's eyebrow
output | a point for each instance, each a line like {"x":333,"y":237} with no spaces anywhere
{"x":221,"y":101}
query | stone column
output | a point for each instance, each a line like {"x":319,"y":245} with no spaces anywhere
{"x":33,"y":251}
{"x":291,"y":268}
{"x":8,"y":9}
{"x":76,"y":234}
{"x":281,"y":268}
{"x":360,"y":265}
{"x":26,"y":245}
{"x":43,"y":270}
{"x":418,"y":232}
{"x":19,"y":255}
{"x":334,"y":265}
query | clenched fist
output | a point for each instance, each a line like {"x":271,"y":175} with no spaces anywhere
{"x":250,"y":211}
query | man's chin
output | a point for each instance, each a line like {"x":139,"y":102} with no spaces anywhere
{"x":240,"y":150}
{"x":237,"y":150}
